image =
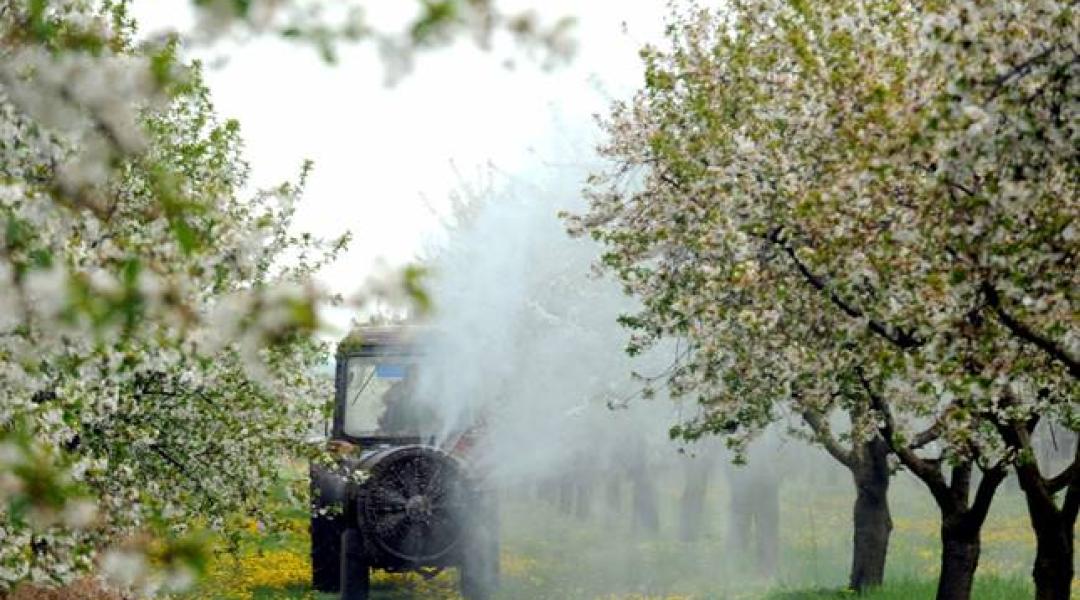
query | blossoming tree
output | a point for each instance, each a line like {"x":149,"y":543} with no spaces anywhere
{"x":156,"y":362}
{"x":156,"y":350}
{"x":865,"y":207}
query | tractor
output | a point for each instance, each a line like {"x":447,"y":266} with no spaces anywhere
{"x":391,"y":498}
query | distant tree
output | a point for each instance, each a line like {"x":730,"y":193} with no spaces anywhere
{"x":866,"y":207}
{"x":754,"y":513}
{"x":697,"y":468}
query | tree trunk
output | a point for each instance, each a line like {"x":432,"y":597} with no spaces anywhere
{"x":613,"y":496}
{"x":566,"y":494}
{"x":873,"y":523}
{"x":583,"y":498}
{"x":643,"y":492}
{"x":868,"y":462}
{"x":1053,"y":571}
{"x":959,"y":559}
{"x":740,"y":522}
{"x":646,"y":511}
{"x":1053,"y":524}
{"x":754,"y":517}
{"x":767,"y":524}
{"x":692,"y":509}
{"x":962,"y":516}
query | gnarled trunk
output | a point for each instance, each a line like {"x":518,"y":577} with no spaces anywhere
{"x":873,"y":523}
{"x":959,"y":558}
{"x":961,"y":526}
{"x":962,"y":516}
{"x":1053,"y":570}
{"x":1053,"y":525}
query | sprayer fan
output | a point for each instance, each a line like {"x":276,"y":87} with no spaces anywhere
{"x":412,"y":504}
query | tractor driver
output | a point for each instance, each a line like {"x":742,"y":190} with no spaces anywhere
{"x":403,"y":413}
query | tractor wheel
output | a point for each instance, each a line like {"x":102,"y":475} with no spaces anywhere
{"x":355,"y":572}
{"x":325,"y":552}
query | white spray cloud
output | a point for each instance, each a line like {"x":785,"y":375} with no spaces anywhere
{"x":526,"y":334}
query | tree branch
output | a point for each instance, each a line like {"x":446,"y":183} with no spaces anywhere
{"x":1071,"y":506}
{"x":1018,"y":71}
{"x":898,"y":337}
{"x":179,"y":466}
{"x":1021,"y":330}
{"x":1066,"y":477}
{"x":984,"y":494}
{"x":929,"y":472}
{"x":1018,"y":437}
{"x":823,"y":434}
{"x":960,"y":481}
{"x":928,"y":435}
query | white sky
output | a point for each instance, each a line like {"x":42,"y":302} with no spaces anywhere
{"x":386,"y":159}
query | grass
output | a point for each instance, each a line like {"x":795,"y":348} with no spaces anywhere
{"x":550,"y":556}
{"x":986,"y":588}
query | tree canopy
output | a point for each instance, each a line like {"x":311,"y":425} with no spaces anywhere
{"x":807,"y":193}
{"x":858,"y":205}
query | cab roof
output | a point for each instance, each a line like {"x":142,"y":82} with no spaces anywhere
{"x":381,"y":339}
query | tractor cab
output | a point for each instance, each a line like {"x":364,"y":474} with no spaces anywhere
{"x":392,"y":500}
{"x":376,"y":400}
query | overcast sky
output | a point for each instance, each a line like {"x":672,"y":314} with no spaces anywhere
{"x":386,"y":158}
